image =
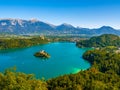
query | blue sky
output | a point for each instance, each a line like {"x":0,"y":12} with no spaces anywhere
{"x":82,"y":13}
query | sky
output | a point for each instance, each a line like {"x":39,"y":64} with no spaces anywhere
{"x":82,"y":13}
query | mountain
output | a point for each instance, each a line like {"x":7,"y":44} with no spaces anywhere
{"x":19,"y":26}
{"x":65,"y":27}
{"x":106,"y":30}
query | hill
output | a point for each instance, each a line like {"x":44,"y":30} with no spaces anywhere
{"x":100,"y":41}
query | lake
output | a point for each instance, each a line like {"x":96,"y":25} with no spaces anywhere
{"x":65,"y":58}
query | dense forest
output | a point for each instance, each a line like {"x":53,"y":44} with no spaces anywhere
{"x":12,"y":80}
{"x":7,"y":42}
{"x":21,"y":42}
{"x":100,"y":41}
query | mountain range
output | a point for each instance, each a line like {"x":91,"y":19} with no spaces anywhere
{"x":19,"y":26}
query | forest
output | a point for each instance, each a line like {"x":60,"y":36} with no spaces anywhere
{"x":10,"y":42}
{"x":12,"y":80}
{"x":100,"y":41}
{"x":21,"y":42}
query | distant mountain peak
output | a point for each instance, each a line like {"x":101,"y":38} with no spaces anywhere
{"x":106,"y":27}
{"x":34,"y":20}
{"x":66,"y":24}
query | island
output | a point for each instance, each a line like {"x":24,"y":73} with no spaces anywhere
{"x":42,"y":54}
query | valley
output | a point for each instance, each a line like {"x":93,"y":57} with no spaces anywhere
{"x":90,"y":63}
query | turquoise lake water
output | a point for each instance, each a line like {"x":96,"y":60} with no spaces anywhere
{"x":65,"y":58}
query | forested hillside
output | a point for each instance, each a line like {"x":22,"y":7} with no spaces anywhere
{"x":21,"y":42}
{"x":100,"y":41}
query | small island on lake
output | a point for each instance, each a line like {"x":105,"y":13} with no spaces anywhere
{"x":42,"y":54}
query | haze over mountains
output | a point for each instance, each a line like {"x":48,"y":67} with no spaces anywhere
{"x":19,"y":26}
